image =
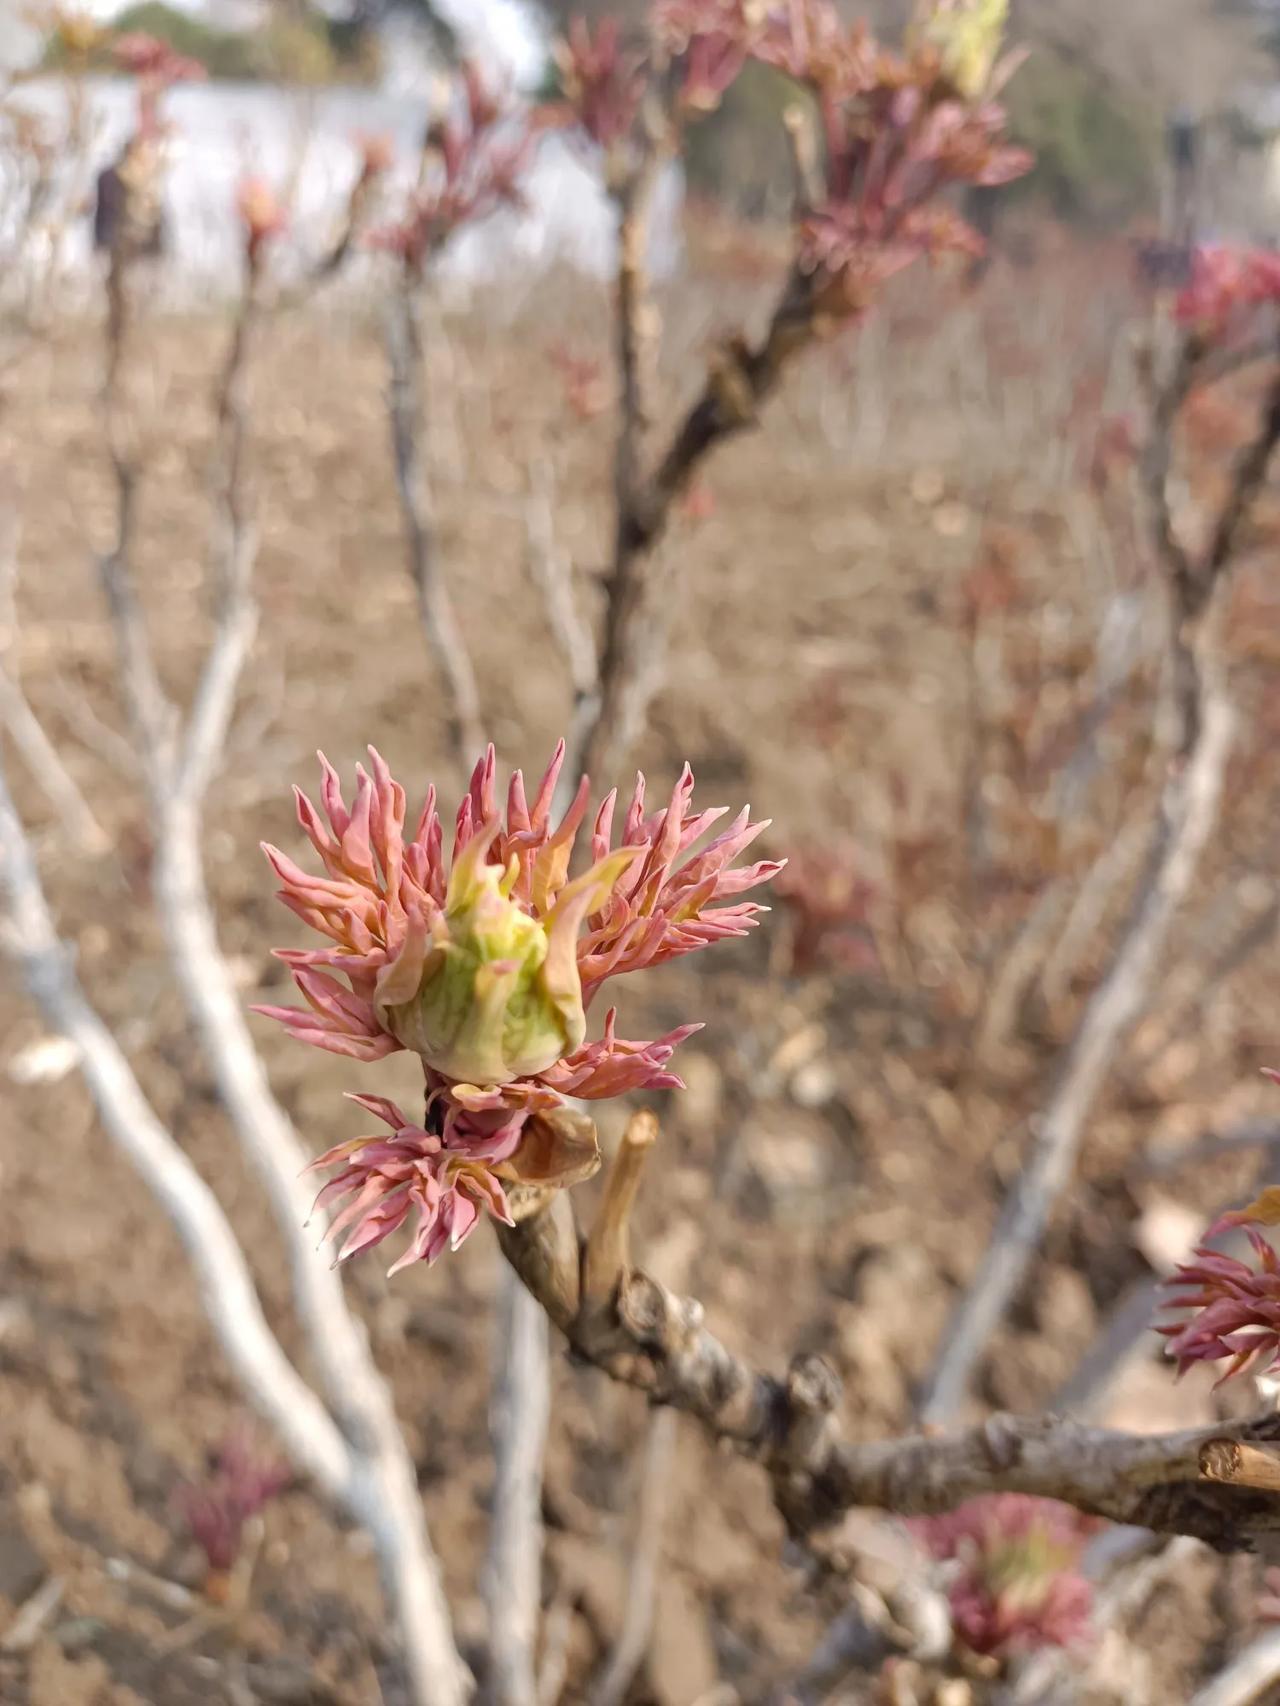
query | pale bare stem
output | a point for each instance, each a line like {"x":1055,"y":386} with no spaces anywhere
{"x":1249,"y":1134}
{"x":1085,"y":1391}
{"x":235,"y":614}
{"x":33,"y":1616}
{"x":345,"y":244}
{"x":605,"y":1262}
{"x":435,"y":607}
{"x":42,"y":759}
{"x":554,"y":1669}
{"x":1206,"y":976}
{"x":1018,"y":971}
{"x":1188,"y":817}
{"x":607,"y":1257}
{"x":856,"y":1640}
{"x":653,"y":1340}
{"x":112,"y":747}
{"x":632,"y":1645}
{"x":552,"y":574}
{"x":1189,"y":810}
{"x":384,"y":1495}
{"x":1089,"y":907}
{"x":637,"y":324}
{"x":1248,"y":1679}
{"x":150,"y":712}
{"x":227,"y":1290}
{"x":519,"y":1413}
{"x":910,"y":1616}
{"x":519,"y":1416}
{"x":805,"y":164}
{"x":636,"y":330}
{"x":381,"y":1487}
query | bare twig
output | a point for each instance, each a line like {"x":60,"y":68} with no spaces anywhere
{"x":552,"y":574}
{"x":1017,"y":972}
{"x":46,"y":766}
{"x":739,"y":380}
{"x":856,"y":1640}
{"x":1188,"y":997}
{"x":1249,"y":1134}
{"x":637,"y":1624}
{"x":910,"y":1614}
{"x":520,"y":1408}
{"x":1247,"y":1678}
{"x":1089,"y":907}
{"x":554,"y":1669}
{"x":435,"y":607}
{"x":30,"y":1618}
{"x":655,"y":1341}
{"x":25,"y":729}
{"x":636,"y":325}
{"x":608,"y":1253}
{"x":1188,"y":815}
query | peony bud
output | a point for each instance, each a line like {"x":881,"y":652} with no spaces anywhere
{"x":485,"y":992}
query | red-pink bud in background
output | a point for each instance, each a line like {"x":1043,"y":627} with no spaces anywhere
{"x":241,"y":1481}
{"x":261,"y":214}
{"x":1225,"y":286}
{"x":1012,"y":1562}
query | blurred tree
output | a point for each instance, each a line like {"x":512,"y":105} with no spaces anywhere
{"x":1103,"y":79}
{"x":295,"y":44}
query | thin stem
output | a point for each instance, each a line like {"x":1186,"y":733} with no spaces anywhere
{"x":435,"y":607}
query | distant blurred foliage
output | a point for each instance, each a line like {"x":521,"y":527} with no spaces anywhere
{"x":1097,"y":154}
{"x":298,"y":48}
{"x":739,"y":153}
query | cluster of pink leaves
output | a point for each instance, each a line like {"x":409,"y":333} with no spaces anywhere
{"x":449,"y":1178}
{"x":604,"y":84}
{"x":375,"y":903}
{"x":157,"y":67}
{"x":475,"y":158}
{"x":894,"y":135}
{"x":1226,"y":286}
{"x":240,"y":1483}
{"x":1234,"y":1308}
{"x":1013,"y":1559}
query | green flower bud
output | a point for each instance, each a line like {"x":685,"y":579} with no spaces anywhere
{"x":485,"y":992}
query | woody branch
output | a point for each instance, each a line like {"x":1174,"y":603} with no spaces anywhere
{"x":624,"y":1322}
